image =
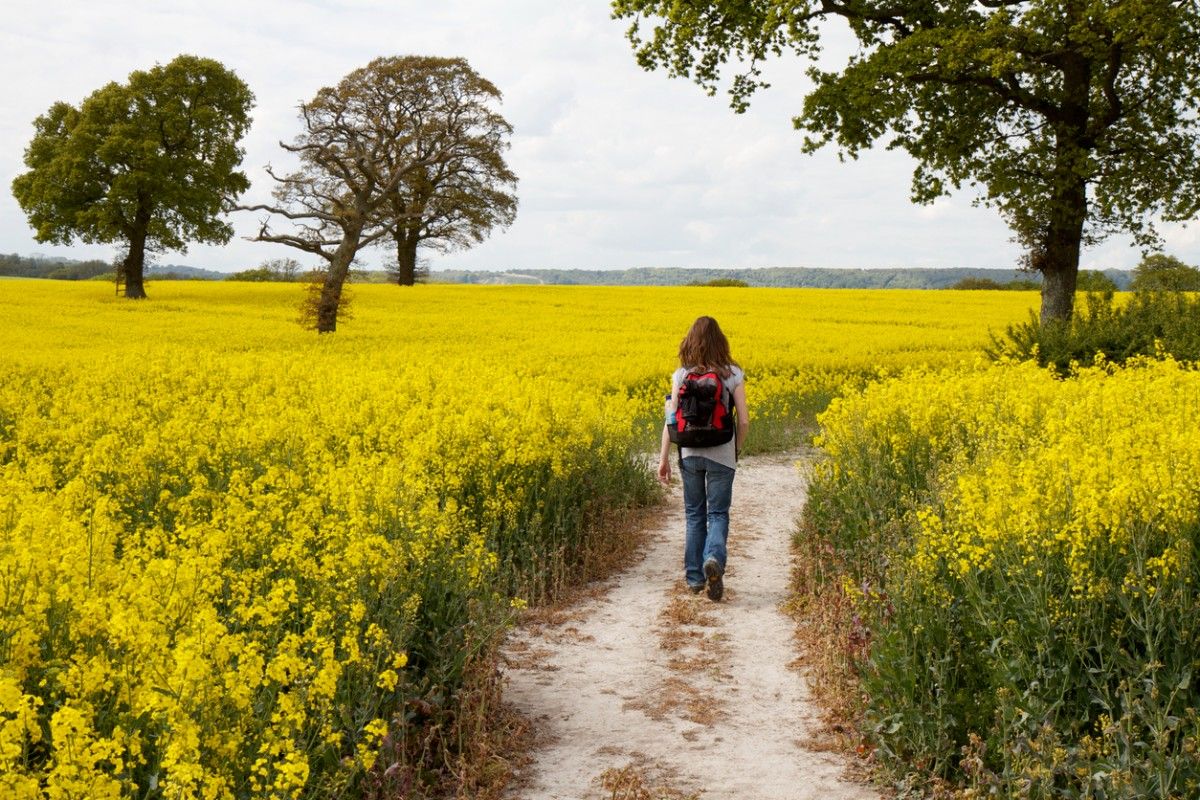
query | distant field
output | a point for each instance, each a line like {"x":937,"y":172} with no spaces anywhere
{"x":794,"y":343}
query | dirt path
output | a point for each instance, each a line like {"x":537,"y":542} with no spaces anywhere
{"x":691,"y":695}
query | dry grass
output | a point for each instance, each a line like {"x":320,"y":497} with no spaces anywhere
{"x":559,"y":613}
{"x":688,"y":609}
{"x":525,"y":656}
{"x":703,"y":662}
{"x":614,"y":542}
{"x":826,"y":644}
{"x":631,"y":783}
{"x":684,"y":628}
{"x":676,"y":695}
{"x":678,"y":638}
{"x":469,"y":752}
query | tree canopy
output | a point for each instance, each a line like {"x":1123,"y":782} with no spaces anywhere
{"x":1091,"y":280}
{"x":369,"y":149}
{"x":1074,"y":118}
{"x":456,"y":201}
{"x":1163,"y":273}
{"x":151,"y":163}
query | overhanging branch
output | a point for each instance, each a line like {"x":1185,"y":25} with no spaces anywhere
{"x":283,"y":212}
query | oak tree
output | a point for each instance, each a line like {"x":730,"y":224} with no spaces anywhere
{"x":458,"y":200}
{"x":150,"y":164}
{"x":1076,"y":119}
{"x":366,"y":142}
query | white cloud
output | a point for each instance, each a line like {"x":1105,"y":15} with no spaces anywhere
{"x":617,"y":167}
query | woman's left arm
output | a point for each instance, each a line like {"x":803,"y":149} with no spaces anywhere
{"x":743,"y":416}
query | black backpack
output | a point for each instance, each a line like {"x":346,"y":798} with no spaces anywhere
{"x":704,"y":413}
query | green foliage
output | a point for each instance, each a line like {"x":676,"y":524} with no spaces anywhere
{"x":276,"y":269}
{"x":150,"y":163}
{"x":989,"y":284}
{"x":976,"y":284}
{"x":1147,"y":324}
{"x":1090,"y":280}
{"x":721,"y":282}
{"x":79,"y":272}
{"x":951,"y":83}
{"x":1074,"y":120}
{"x":795,"y":277}
{"x":990,"y":690}
{"x":255,"y":275}
{"x":16,"y":266}
{"x":1162,"y":273}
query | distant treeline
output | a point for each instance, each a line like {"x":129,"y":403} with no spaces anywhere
{"x":797,"y":277}
{"x":15,"y":266}
{"x":66,"y":269}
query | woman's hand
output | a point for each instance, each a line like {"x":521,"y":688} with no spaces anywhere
{"x":664,"y":458}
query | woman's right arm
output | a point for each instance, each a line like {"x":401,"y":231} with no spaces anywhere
{"x":664,"y":458}
{"x":664,"y":451}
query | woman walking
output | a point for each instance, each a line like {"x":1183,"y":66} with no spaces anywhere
{"x":705,"y":365}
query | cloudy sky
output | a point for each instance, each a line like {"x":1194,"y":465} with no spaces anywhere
{"x":618,"y":167}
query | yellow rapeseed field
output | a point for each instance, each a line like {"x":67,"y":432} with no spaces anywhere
{"x":1032,"y":467}
{"x":1020,"y":553}
{"x":233,"y":553}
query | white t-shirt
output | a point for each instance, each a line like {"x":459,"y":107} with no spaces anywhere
{"x":723,"y":453}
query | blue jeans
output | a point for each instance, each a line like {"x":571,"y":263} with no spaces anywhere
{"x":707,"y":492}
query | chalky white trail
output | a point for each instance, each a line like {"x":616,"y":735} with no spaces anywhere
{"x":696,"y":696}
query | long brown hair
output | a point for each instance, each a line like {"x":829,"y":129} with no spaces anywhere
{"x":706,"y":346}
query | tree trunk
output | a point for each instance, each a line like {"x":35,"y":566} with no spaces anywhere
{"x":406,"y":257}
{"x":1058,"y":256}
{"x":134,"y":265}
{"x":327,"y":304}
{"x":330,"y":299}
{"x":1058,"y":295}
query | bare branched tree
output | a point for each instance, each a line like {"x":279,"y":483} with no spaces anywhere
{"x":362,"y":140}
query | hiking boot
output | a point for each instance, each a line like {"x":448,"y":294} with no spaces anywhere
{"x":712,"y":574}
{"x":697,"y":588}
